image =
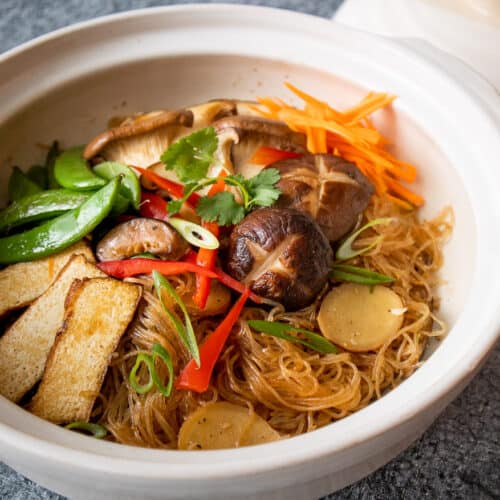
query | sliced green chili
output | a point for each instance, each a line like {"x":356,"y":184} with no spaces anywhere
{"x":276,"y":329}
{"x":158,"y":351}
{"x":38,"y":174}
{"x":130,"y":188}
{"x":72,"y":171}
{"x":358,"y":275}
{"x":20,"y":185}
{"x":61,"y":232}
{"x":40,"y":206}
{"x":186,"y":332}
{"x":345,"y":250}
{"x":96,"y":430}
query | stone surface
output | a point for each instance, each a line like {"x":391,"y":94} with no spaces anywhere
{"x":458,"y":457}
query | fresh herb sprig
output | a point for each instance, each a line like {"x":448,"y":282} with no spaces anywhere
{"x":191,"y":158}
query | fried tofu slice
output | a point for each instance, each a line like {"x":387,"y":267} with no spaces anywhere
{"x":21,"y":284}
{"x":98,"y":312}
{"x":25,"y":346}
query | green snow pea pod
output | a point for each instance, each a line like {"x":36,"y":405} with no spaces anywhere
{"x":72,"y":171}
{"x":40,"y":206}
{"x":130,"y":187}
{"x":121,"y":205}
{"x":39,"y":175}
{"x":50,"y":161}
{"x":20,"y":185}
{"x":59,"y":233}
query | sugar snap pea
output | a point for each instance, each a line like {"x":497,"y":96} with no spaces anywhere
{"x":61,"y":232}
{"x":72,"y":171}
{"x":130,"y":187}
{"x":20,"y":185}
{"x":40,"y":206}
{"x":120,"y":206}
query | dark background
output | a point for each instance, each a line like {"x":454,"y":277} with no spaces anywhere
{"x":458,"y":457}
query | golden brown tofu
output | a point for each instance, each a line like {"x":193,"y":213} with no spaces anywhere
{"x":98,"y":312}
{"x":21,"y":284}
{"x":25,"y":346}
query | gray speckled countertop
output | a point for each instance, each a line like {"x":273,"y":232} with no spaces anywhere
{"x":458,"y":457}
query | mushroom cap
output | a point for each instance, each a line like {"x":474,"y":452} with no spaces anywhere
{"x":332,"y":190}
{"x":281,"y":254}
{"x":142,"y":235}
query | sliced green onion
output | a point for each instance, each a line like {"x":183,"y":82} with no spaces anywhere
{"x":345,"y":250}
{"x":148,"y":361}
{"x":358,"y":275}
{"x":97,"y":430}
{"x":154,"y":379}
{"x":160,"y":352}
{"x":314,"y":341}
{"x":194,"y":233}
{"x":186,"y":332}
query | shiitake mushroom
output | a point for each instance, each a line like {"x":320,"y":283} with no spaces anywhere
{"x":332,"y":190}
{"x":141,"y":235}
{"x":281,"y":254}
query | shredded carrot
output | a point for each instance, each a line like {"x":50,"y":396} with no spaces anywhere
{"x":351,"y":135}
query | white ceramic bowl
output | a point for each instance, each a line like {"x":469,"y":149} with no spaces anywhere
{"x":66,"y":85}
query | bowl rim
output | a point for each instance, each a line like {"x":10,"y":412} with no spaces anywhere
{"x":239,"y":462}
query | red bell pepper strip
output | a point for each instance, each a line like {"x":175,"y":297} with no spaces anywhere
{"x":191,"y":256}
{"x":175,"y":189}
{"x":206,"y":257}
{"x":132,"y":267}
{"x":197,"y":379}
{"x":153,"y":206}
{"x":266,"y":155}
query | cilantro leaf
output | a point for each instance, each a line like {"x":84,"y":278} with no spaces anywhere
{"x":191,"y":156}
{"x":261,"y":187}
{"x":267,"y":176}
{"x":221,"y":208}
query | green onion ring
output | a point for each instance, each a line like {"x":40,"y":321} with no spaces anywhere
{"x":194,"y":233}
{"x":158,"y":351}
{"x":148,"y":361}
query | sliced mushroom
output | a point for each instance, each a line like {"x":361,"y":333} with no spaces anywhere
{"x":142,"y":235}
{"x":281,"y":254}
{"x":241,"y":136}
{"x":332,"y":190}
{"x":140,"y":140}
